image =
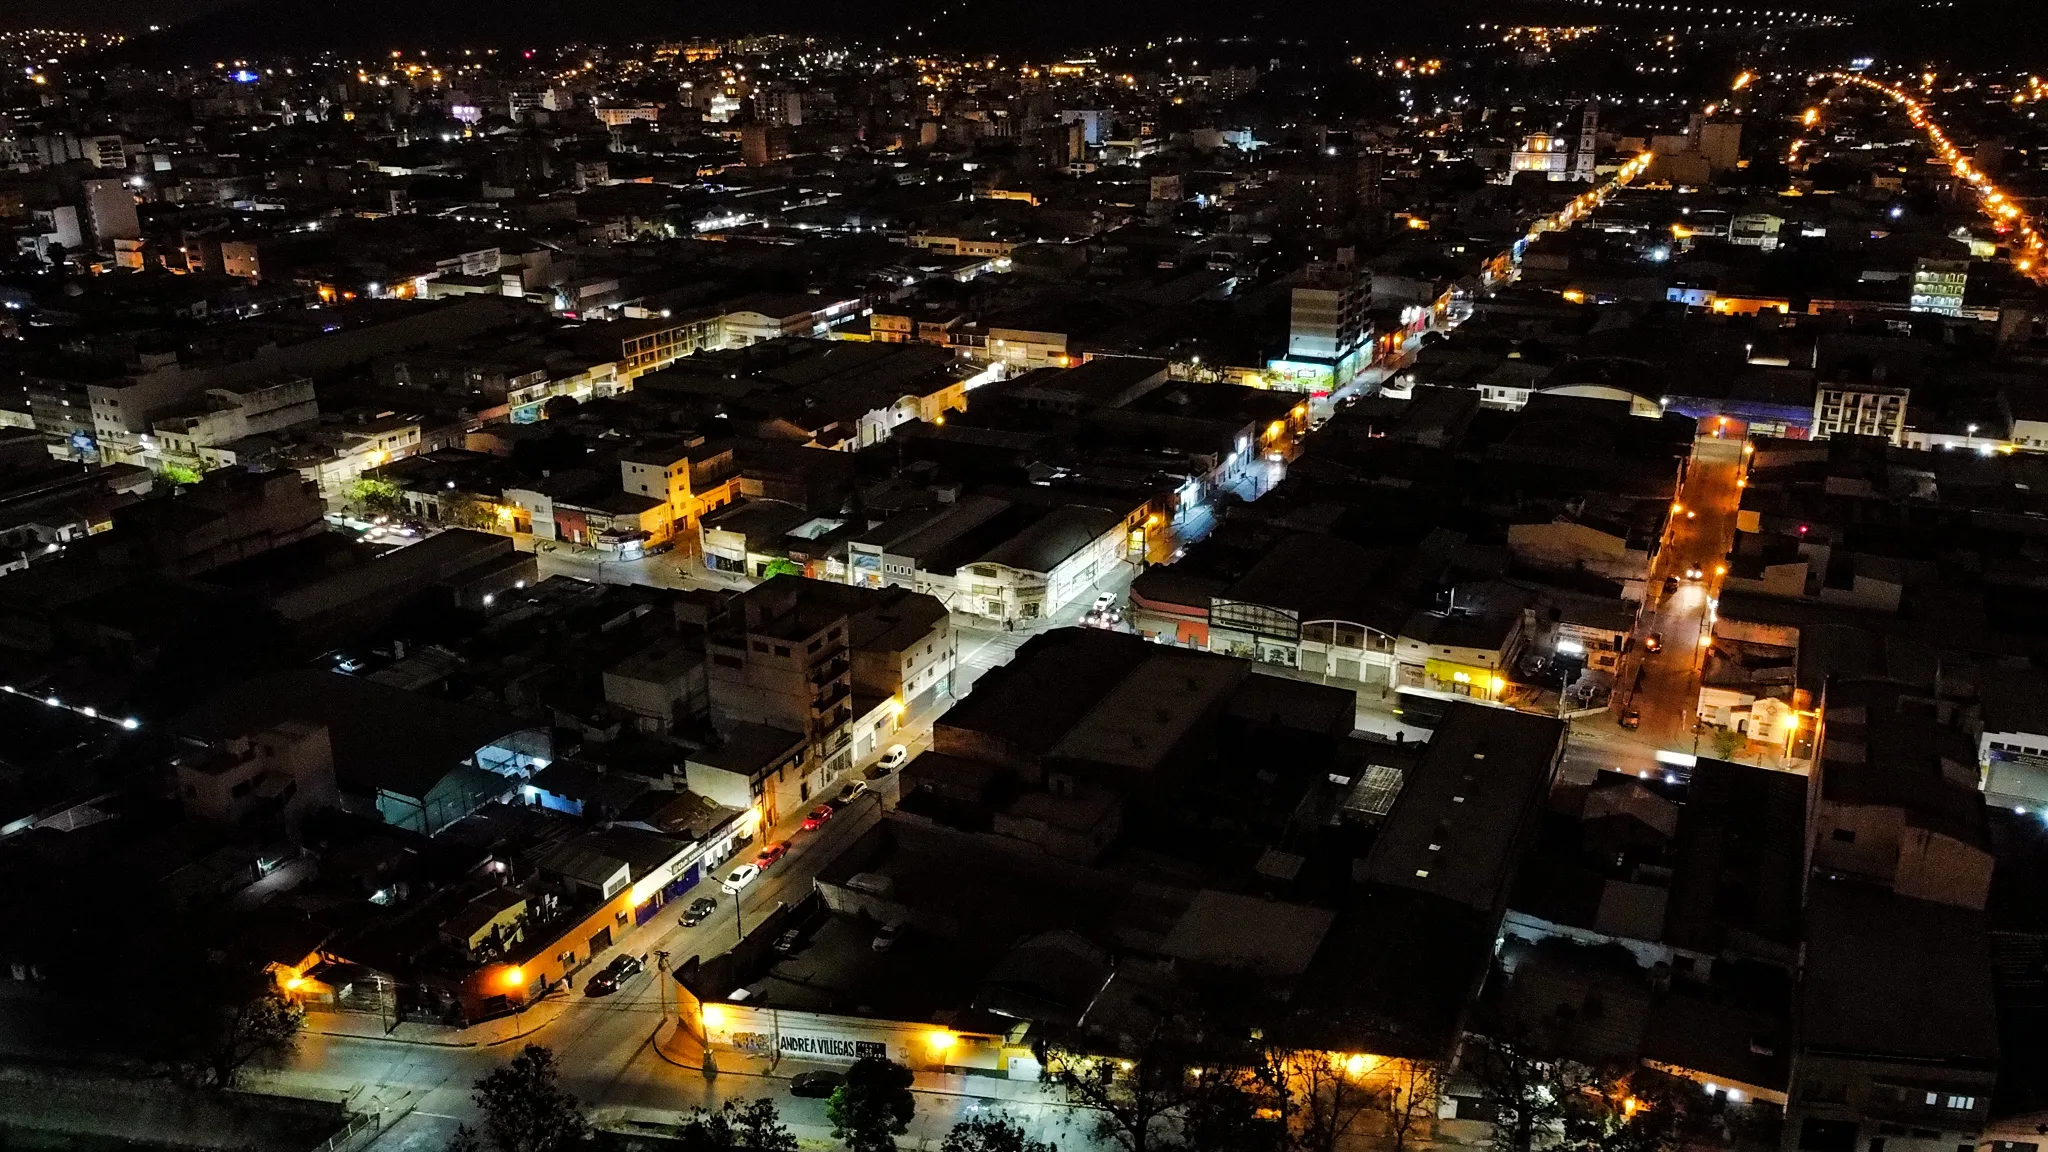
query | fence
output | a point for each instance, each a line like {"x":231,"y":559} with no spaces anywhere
{"x":359,"y":1123}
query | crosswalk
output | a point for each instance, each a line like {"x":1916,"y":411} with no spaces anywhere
{"x":982,"y":649}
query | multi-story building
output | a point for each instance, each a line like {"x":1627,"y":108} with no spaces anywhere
{"x":1895,"y":800}
{"x":190,"y":440}
{"x":693,"y":476}
{"x":836,"y":666}
{"x":1842,"y":408}
{"x":270,"y":777}
{"x":1938,"y":286}
{"x":110,"y":212}
{"x":1328,"y":331}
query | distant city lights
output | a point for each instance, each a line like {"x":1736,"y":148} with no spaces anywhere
{"x":128,"y":723}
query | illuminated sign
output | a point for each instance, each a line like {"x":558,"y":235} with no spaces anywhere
{"x":1301,"y":375}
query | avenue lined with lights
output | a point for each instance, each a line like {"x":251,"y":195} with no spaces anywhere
{"x":2028,"y":252}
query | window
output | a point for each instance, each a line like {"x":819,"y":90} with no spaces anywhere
{"x":1845,"y":835}
{"x":724,"y":661}
{"x":782,"y":650}
{"x":1962,"y":1103}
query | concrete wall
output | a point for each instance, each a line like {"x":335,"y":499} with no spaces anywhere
{"x":158,"y":1114}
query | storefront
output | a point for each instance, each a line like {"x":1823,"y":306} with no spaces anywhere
{"x":778,"y":1034}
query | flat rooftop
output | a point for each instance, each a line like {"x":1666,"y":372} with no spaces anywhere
{"x":1464,"y":813}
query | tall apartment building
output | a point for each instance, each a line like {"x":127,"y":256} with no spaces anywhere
{"x":1938,"y":286}
{"x":110,"y":213}
{"x":835,"y":665}
{"x":1327,"y":329}
{"x":762,"y":144}
{"x":1841,"y":408}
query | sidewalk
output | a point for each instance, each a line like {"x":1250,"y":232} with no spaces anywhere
{"x":677,"y":1046}
{"x":502,"y":1030}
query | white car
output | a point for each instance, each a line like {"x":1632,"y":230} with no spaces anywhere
{"x":1104,"y":604}
{"x":894,"y":757}
{"x":740,"y":878}
{"x":854,"y":790}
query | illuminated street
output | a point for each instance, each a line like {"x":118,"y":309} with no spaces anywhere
{"x":1663,"y":686}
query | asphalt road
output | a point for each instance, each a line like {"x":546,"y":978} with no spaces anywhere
{"x":1666,"y":683}
{"x":605,"y":1044}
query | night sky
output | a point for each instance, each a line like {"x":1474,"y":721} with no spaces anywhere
{"x":102,"y":15}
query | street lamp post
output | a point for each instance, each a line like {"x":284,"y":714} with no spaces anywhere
{"x":515,"y":979}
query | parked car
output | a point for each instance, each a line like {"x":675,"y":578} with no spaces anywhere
{"x":771,"y":854}
{"x":816,"y":1085}
{"x":740,"y":878}
{"x":1670,"y":585}
{"x":854,"y":790}
{"x":1631,"y":720}
{"x":1103,"y":604}
{"x":819,"y":815}
{"x":788,"y":941}
{"x":894,"y":758}
{"x":1654,"y":642}
{"x":887,"y":937}
{"x":699,"y":911}
{"x":608,"y":979}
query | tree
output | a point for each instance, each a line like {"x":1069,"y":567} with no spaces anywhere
{"x":180,"y":475}
{"x":1135,"y":1101}
{"x":1226,"y":1111}
{"x":560,"y":408}
{"x":1525,"y":1091}
{"x":525,"y":1110}
{"x":466,"y":511}
{"x":376,"y":494}
{"x":874,"y":1106}
{"x":1637,"y":1110}
{"x":464,"y":1140}
{"x":1318,"y":1095}
{"x":211,"y":1018}
{"x":994,"y":1132}
{"x":757,"y":1127}
{"x":243,"y":1029}
{"x":1409,"y":1100}
{"x":1727,"y":742}
{"x":211,"y":1024}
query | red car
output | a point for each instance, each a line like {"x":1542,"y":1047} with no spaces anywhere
{"x":771,"y":854}
{"x":818,"y":816}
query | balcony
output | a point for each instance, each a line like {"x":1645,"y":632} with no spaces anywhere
{"x":829,"y":670}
